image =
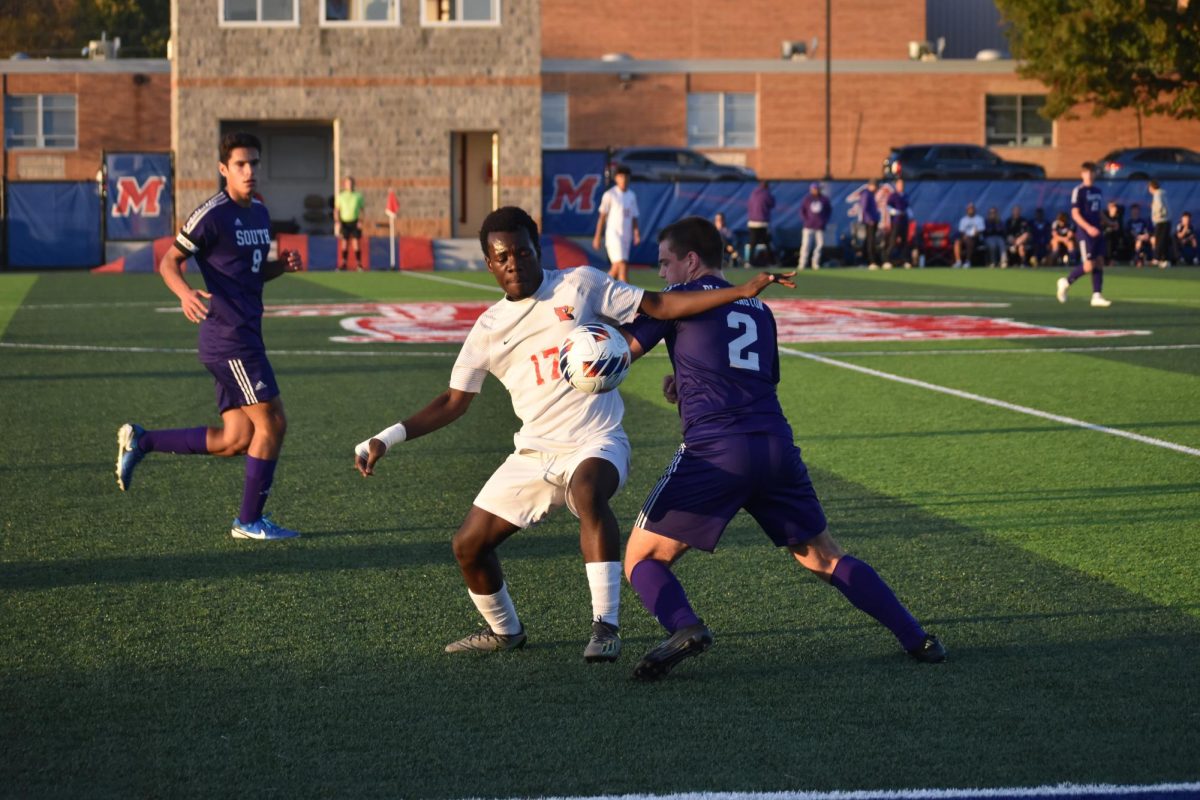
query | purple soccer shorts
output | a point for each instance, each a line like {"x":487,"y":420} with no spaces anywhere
{"x":707,"y":482}
{"x":243,"y":381}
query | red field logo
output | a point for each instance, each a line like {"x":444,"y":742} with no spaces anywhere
{"x":798,"y":321}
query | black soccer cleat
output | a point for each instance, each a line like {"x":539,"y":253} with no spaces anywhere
{"x":930,"y":651}
{"x":604,"y":644}
{"x":683,"y":643}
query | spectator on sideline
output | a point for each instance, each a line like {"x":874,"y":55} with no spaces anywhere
{"x":815,"y":209}
{"x":1039,"y":237}
{"x":897,"y":238}
{"x":729,"y":253}
{"x":994,"y":239}
{"x":868,"y":214}
{"x":1017,"y":236}
{"x":1160,"y":216}
{"x":1062,"y":240}
{"x":1185,"y":240}
{"x":349,"y":222}
{"x":970,"y":228}
{"x":759,"y":212}
{"x":1113,"y":226}
{"x":1140,"y":236}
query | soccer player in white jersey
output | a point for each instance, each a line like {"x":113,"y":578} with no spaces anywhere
{"x":619,"y":223}
{"x":571,"y":449}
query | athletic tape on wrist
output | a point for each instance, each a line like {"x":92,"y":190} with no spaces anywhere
{"x":389,"y":436}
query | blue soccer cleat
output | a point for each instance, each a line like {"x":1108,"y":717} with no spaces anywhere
{"x":262,"y":529}
{"x":129,"y":453}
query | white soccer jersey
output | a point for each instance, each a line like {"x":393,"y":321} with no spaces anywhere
{"x":517,"y":341}
{"x":622,"y":209}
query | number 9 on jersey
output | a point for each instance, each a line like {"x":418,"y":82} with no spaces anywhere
{"x":594,"y":358}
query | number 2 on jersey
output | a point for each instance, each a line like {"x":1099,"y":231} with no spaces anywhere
{"x":739,"y":356}
{"x":550,"y":353}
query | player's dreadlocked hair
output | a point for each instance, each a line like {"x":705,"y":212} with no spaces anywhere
{"x":509,"y":219}
{"x":235,"y":139}
{"x":694,"y":235}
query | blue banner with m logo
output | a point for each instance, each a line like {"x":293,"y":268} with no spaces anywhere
{"x":140,"y":200}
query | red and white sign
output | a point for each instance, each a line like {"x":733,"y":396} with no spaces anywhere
{"x":798,"y":321}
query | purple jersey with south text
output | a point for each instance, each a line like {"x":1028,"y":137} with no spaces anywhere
{"x":1090,"y":202}
{"x":726,"y":365}
{"x":230,"y":242}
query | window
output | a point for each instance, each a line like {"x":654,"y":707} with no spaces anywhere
{"x":460,"y":12}
{"x":1014,"y":121}
{"x":722,"y":119}
{"x":554,"y":120}
{"x":359,"y":12}
{"x":40,"y":121}
{"x":260,"y":12}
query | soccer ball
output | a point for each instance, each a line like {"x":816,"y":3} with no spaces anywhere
{"x":594,"y":358}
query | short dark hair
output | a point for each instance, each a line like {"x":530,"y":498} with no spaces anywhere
{"x":694,"y":235}
{"x":509,"y":219}
{"x":1090,"y":165}
{"x":623,"y":170}
{"x":1153,"y":184}
{"x":235,"y":139}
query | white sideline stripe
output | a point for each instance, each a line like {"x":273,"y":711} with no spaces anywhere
{"x":1009,"y":351}
{"x":452,"y":281}
{"x":1060,"y":790}
{"x":1033,"y":412}
{"x":191,"y":351}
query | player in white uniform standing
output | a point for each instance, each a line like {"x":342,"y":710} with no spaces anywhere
{"x":571,"y":449}
{"x":619,"y":223}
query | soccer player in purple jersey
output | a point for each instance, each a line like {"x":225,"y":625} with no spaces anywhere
{"x":737,"y":452}
{"x":1087,"y":204}
{"x":229,"y":236}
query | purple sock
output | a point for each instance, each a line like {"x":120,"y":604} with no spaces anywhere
{"x":1075,"y":275}
{"x":863,"y":587}
{"x":259,"y":475}
{"x":662,"y":595}
{"x":181,"y":441}
{"x":1097,"y":279}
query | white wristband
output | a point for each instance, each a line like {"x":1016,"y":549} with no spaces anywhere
{"x":389,"y":436}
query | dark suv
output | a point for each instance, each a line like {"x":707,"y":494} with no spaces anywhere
{"x":934,"y":161}
{"x":674,"y":164}
{"x":1141,"y":163}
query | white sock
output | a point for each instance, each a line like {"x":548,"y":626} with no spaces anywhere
{"x":498,"y":611}
{"x":604,"y":579}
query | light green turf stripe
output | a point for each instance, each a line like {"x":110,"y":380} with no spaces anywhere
{"x":13,"y":289}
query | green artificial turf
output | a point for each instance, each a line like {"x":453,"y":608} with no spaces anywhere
{"x":145,"y":653}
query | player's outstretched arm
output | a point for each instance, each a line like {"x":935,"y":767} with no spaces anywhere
{"x":190,"y":300}
{"x":674,"y":305}
{"x":441,"y":411}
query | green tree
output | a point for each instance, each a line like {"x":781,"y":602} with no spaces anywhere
{"x":62,"y":28}
{"x":1113,"y":54}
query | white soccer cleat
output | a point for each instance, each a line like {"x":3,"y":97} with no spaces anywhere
{"x":1098,"y":301}
{"x":1061,"y":291}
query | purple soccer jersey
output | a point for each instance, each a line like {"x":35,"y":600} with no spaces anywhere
{"x":230,"y":243}
{"x":726,"y":366}
{"x":1090,"y":202}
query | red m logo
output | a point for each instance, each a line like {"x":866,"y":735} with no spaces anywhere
{"x":577,"y":196}
{"x":141,"y":199}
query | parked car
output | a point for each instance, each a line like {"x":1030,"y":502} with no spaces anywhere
{"x":1142,"y":163}
{"x":674,"y":164}
{"x":934,"y":161}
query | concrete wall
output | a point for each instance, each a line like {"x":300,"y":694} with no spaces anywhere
{"x":394,"y":95}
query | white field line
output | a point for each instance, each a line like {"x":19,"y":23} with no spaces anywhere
{"x":191,"y":351}
{"x":1066,"y":790}
{"x":492,"y":287}
{"x":1008,"y":351}
{"x":1033,"y":412}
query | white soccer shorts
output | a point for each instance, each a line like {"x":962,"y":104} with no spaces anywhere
{"x":530,"y":483}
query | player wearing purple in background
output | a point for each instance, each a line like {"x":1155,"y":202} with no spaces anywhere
{"x":737,"y":452}
{"x":1087,"y":204}
{"x":229,"y":236}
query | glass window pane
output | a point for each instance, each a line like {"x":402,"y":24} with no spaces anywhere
{"x":740,"y":120}
{"x":704,"y":120}
{"x":379,"y":10}
{"x":337,"y":10}
{"x":476,"y":10}
{"x":21,"y":120}
{"x":278,"y":10}
{"x":554,"y":120}
{"x":1036,"y":130}
{"x":1001,"y":121}
{"x":241,"y":10}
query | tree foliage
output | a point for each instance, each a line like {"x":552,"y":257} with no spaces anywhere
{"x":62,"y":28}
{"x":1112,"y":54}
